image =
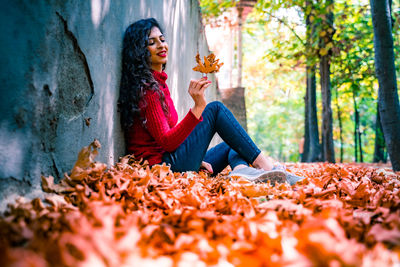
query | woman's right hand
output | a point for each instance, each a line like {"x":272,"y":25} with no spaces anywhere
{"x":196,"y":91}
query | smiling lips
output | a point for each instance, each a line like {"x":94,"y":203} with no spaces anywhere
{"x":162,"y":53}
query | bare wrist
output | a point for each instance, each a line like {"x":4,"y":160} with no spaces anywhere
{"x":197,"y":110}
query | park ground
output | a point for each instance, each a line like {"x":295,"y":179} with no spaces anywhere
{"x":131,"y":214}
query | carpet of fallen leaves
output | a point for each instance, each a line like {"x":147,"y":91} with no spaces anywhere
{"x":133,"y":215}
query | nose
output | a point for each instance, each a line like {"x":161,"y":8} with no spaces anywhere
{"x":160,"y":44}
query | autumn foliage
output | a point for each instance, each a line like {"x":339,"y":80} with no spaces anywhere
{"x":134,"y":215}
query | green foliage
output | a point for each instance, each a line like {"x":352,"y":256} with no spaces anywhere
{"x":277,"y":47}
{"x":396,"y":35}
{"x":274,"y":91}
{"x":211,"y":9}
{"x":350,"y":42}
{"x":353,"y":74}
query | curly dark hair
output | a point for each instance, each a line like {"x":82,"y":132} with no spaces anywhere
{"x":136,"y":75}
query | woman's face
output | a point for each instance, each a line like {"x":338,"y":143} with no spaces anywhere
{"x":158,"y":48}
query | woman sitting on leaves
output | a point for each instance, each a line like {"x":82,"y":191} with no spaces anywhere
{"x":150,"y":121}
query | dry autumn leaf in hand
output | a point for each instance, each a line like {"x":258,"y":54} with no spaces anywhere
{"x":210,"y":64}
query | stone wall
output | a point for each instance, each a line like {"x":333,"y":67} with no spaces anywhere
{"x":234,"y":99}
{"x":60,"y":71}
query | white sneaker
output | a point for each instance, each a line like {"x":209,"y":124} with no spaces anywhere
{"x":290,"y":177}
{"x":293,"y":178}
{"x":260,"y":176}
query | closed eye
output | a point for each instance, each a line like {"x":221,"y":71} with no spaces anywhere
{"x":152,"y":40}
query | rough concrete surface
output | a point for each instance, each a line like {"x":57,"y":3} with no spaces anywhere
{"x":60,"y":74}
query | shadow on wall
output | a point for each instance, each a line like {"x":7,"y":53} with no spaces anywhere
{"x":61,"y":77}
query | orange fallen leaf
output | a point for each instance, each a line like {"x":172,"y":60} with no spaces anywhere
{"x":132,"y":214}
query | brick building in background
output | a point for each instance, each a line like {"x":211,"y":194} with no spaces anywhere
{"x":224,"y":36}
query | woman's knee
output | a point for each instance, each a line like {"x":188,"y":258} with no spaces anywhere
{"x":215,"y":105}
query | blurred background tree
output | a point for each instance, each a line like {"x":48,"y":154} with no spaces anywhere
{"x":284,"y":43}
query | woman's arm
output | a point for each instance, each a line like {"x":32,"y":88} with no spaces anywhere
{"x":157,"y":124}
{"x":170,"y":138}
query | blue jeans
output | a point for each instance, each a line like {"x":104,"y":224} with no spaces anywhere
{"x":237,"y":148}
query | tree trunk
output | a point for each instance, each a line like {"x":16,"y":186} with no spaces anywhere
{"x":339,"y":115}
{"x":328,"y":149}
{"x":360,"y":147}
{"x":315,"y":147}
{"x":388,"y":99}
{"x":306,"y":147}
{"x":355,"y":143}
{"x":327,"y":136}
{"x":312,"y":147}
{"x":356,"y":128}
{"x":379,"y":150}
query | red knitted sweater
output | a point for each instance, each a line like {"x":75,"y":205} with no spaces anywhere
{"x":159,"y":133}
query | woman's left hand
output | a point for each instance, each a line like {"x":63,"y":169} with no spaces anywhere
{"x":206,"y":166}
